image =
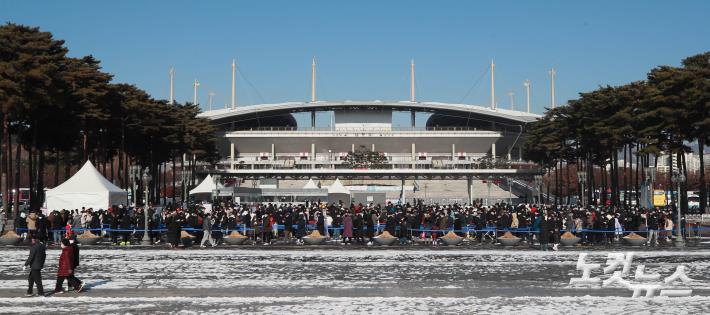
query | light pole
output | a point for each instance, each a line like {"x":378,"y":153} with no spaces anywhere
{"x":582,"y":178}
{"x":538,"y":186}
{"x":679,"y":179}
{"x":215,"y":192}
{"x":510,"y":191}
{"x":146,"y":180}
{"x":526,"y":84}
{"x":425,"y":190}
{"x":135,"y":171}
{"x":184,"y":175}
{"x":489,"y":183}
{"x":650,"y":173}
{"x":330,"y":158}
{"x":195,"y":85}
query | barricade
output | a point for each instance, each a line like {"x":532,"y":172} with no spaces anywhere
{"x":379,"y":227}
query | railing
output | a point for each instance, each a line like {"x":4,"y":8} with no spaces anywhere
{"x":470,"y":162}
{"x":365,"y":129}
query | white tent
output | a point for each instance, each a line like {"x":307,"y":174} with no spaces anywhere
{"x":87,"y":188}
{"x":337,"y":192}
{"x":337,"y":188}
{"x":207,"y":186}
{"x":311,"y":185}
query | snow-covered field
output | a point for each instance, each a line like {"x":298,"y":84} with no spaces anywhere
{"x":360,"y":305}
{"x":332,"y":281}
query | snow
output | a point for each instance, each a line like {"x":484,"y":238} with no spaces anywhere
{"x":247,"y":280}
{"x":341,"y":305}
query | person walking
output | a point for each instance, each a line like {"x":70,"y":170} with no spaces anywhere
{"x":36,"y":262}
{"x":73,"y":281}
{"x":207,"y":231}
{"x":64,"y":269}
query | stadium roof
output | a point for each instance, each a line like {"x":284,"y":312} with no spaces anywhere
{"x":294,"y":107}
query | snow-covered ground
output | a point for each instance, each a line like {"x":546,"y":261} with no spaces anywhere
{"x":360,"y":305}
{"x":328,"y":281}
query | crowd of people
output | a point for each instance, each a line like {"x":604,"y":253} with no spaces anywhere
{"x":266,"y":223}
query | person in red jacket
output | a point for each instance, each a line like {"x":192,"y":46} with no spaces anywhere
{"x":65,"y":265}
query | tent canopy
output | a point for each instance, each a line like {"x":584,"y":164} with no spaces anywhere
{"x":207,"y":186}
{"x":310,"y":185}
{"x":337,"y":188}
{"x":87,"y":188}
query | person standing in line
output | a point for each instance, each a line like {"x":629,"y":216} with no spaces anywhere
{"x":36,"y":262}
{"x":32,"y":226}
{"x":545,"y":228}
{"x":3,"y":220}
{"x":64,"y":269}
{"x":347,"y":228}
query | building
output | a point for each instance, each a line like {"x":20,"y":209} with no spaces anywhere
{"x":457,"y":141}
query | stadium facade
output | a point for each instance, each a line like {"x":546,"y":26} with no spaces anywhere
{"x":452,"y":141}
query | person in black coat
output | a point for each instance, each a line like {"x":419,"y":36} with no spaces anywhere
{"x":546,"y":226}
{"x":112,"y":221}
{"x":390,"y":225}
{"x":125,"y":228}
{"x":42,"y":227}
{"x":357,"y":228}
{"x":288,"y":226}
{"x":301,"y":225}
{"x":321,"y":223}
{"x":36,"y":262}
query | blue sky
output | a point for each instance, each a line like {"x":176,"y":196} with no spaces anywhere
{"x":363,"y":48}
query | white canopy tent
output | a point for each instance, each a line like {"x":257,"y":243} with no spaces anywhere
{"x":310,"y":185}
{"x":87,"y":188}
{"x":337,"y":192}
{"x":207,"y":186}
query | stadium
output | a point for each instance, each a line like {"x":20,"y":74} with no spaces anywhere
{"x":453,"y":153}
{"x":381,"y":150}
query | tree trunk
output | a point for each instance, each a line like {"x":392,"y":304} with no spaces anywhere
{"x":10,"y":178}
{"x":670,"y":182}
{"x":182,"y":179}
{"x":18,"y":156}
{"x":120,"y":169}
{"x":636,"y":177}
{"x":612,"y":180}
{"x":126,"y":167}
{"x":557,"y":186}
{"x":111,"y":159}
{"x":3,"y":160}
{"x":703,"y":186}
{"x":39,"y":200}
{"x":173,"y":176}
{"x":56,"y":169}
{"x":547,"y":197}
{"x":591,"y":183}
{"x":30,"y":170}
{"x":626,"y":178}
{"x":683,"y":185}
{"x":602,"y":188}
{"x":165,"y":180}
{"x":67,"y":165}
